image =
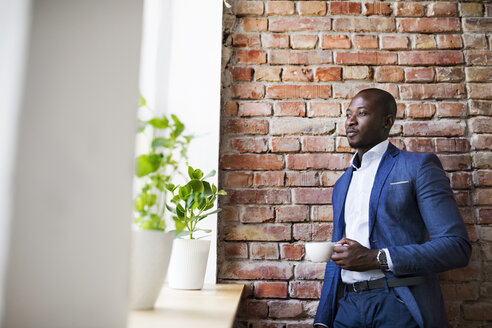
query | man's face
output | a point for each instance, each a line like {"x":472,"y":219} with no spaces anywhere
{"x":365,"y":124}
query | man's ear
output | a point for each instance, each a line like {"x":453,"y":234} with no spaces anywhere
{"x":388,"y":121}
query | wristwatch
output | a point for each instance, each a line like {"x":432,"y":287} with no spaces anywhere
{"x":382,"y":260}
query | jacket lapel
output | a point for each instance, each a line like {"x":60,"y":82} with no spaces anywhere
{"x":385,"y":167}
{"x":342,"y":186}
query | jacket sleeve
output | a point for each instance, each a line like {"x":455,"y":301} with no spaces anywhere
{"x":449,"y":246}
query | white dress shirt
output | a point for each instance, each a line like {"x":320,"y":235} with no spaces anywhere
{"x":357,"y":208}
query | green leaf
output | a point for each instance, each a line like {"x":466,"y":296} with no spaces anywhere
{"x":160,"y":123}
{"x":141,"y":101}
{"x":170,"y":187}
{"x":197,"y":174}
{"x":180,"y":225}
{"x":180,"y":211}
{"x":171,"y":209}
{"x":162,"y":142}
{"x":184,"y":192}
{"x":190,"y":172}
{"x":210,"y":174}
{"x":207,"y":190}
{"x":195,"y":185}
{"x":222,"y":192}
{"x":141,"y":125}
{"x":147,"y":164}
{"x":203,"y":216}
{"x":178,"y":127}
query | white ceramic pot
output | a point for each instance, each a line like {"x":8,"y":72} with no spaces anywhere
{"x":151,"y":251}
{"x":188,"y":263}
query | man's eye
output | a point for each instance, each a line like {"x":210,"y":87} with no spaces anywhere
{"x":362,"y":114}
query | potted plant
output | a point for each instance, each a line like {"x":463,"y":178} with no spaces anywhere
{"x":151,"y":245}
{"x":191,"y":203}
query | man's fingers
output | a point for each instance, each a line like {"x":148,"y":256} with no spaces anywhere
{"x":339,"y":248}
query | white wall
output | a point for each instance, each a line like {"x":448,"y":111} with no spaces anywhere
{"x":181,"y":74}
{"x":70,"y":236}
{"x":14,"y":25}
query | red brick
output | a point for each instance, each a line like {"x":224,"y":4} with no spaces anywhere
{"x":462,"y":198}
{"x":483,"y":196}
{"x":269,"y":74}
{"x":479,"y":74}
{"x":292,"y":213}
{"x":246,"y":40}
{"x":230,"y":108}
{"x":460,"y":292}
{"x":444,"y":128}
{"x":249,"y":8}
{"x":442,"y":9}
{"x":285,"y":144}
{"x":481,"y":142}
{"x":254,"y":24}
{"x":475,"y":41}
{"x":248,"y":91}
{"x":254,"y":109}
{"x":471,"y":9}
{"x":344,"y":8}
{"x":312,"y":8}
{"x":318,"y":144}
{"x":303,"y":41}
{"x":252,"y":56}
{"x":455,"y":162}
{"x":438,"y":57}
{"x":477,"y":311}
{"x":421,"y":110}
{"x":366,"y":58}
{"x":432,"y":91}
{"x":429,"y":25}
{"x":323,"y":109}
{"x":419,"y":74}
{"x":449,"y":41}
{"x":279,"y":8}
{"x":478,"y":24}
{"x":297,"y":74}
{"x":388,"y":74}
{"x":357,"y":73}
{"x":305,"y":289}
{"x":424,"y":41}
{"x":238,"y":179}
{"x":228,"y":214}
{"x":300,"y":24}
{"x":269,"y":40}
{"x":480,"y":107}
{"x":364,"y":24}
{"x":348,"y":91}
{"x":242,"y":73}
{"x":251,"y":162}
{"x":471,"y":272}
{"x":482,"y":160}
{"x":256,"y":270}
{"x":312,"y":231}
{"x":257,"y":196}
{"x":307,"y":270}
{"x":378,"y":8}
{"x":256,"y":214}
{"x":292,"y":251}
{"x":409,"y":9}
{"x":318,"y":161}
{"x":260,"y":232}
{"x":366,"y":42}
{"x":480,"y":124}
{"x":326,"y":74}
{"x":482,"y":178}
{"x":336,"y":41}
{"x":311,"y":195}
{"x":302,"y":179}
{"x":269,"y":179}
{"x":245,"y":126}
{"x":300,"y":125}
{"x":328,"y":178}
{"x":256,"y":308}
{"x":299,"y":57}
{"x":298,"y":91}
{"x":452,"y":145}
{"x":284,"y":309}
{"x":322,"y":213}
{"x":264,"y":251}
{"x":461,"y":180}
{"x":478,"y":57}
{"x":420,"y":145}
{"x":270,"y":289}
{"x":394,"y":42}
{"x":485,"y":215}
{"x":290,"y":108}
{"x":479,"y":90}
{"x":450,"y":74}
{"x":236,"y":250}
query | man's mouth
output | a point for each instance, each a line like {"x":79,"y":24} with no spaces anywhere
{"x":351,"y":133}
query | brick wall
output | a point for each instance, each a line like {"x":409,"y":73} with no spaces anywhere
{"x":289,"y":71}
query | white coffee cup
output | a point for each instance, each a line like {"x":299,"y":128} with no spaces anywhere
{"x":319,"y":251}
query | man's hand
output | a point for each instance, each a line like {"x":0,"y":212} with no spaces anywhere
{"x":350,"y":255}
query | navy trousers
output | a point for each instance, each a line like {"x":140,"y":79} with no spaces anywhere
{"x":381,"y":308}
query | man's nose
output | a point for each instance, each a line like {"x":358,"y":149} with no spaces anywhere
{"x":351,"y":120}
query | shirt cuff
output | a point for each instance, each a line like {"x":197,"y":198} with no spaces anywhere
{"x":388,"y":258}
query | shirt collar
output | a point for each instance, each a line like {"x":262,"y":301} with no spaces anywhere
{"x":375,"y":153}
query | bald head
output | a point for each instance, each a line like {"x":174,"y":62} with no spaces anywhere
{"x":382,"y":99}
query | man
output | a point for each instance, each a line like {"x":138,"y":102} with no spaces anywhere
{"x":397,"y":226}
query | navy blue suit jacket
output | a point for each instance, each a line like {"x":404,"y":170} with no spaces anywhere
{"x":412,"y":212}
